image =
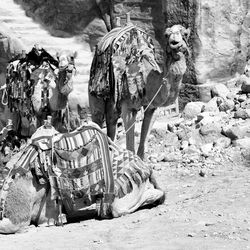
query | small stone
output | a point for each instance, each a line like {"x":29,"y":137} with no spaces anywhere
{"x":209,"y":224}
{"x":98,"y":241}
{"x":202,"y":173}
{"x":184,"y":145}
{"x":220,"y":90}
{"x":191,"y":234}
{"x":242,"y":98}
{"x":223,"y":142}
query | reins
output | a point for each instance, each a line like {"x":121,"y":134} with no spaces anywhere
{"x":164,"y":80}
{"x":42,"y":204}
{"x":159,"y":89}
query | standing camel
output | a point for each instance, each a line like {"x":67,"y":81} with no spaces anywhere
{"x":37,"y":87}
{"x":125,"y":77}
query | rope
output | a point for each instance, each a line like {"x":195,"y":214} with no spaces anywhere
{"x":147,"y":106}
{"x":4,"y":96}
{"x":60,"y":219}
{"x":67,"y":118}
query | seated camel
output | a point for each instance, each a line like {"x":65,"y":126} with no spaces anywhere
{"x":76,"y":173}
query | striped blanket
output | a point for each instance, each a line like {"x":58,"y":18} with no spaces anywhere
{"x":83,"y":167}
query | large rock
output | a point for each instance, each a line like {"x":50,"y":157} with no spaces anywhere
{"x":209,"y":117}
{"x":223,"y":33}
{"x":222,"y":142}
{"x":242,"y":143}
{"x":212,"y":106}
{"x":237,"y":131}
{"x":245,"y":87}
{"x":225,"y":104}
{"x":211,"y":128}
{"x":242,"y":114}
{"x":220,"y":90}
{"x":192,"y":109}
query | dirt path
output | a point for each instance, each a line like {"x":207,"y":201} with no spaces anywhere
{"x":210,"y":212}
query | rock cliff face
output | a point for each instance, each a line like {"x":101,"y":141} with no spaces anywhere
{"x":223,"y":32}
{"x":220,"y":37}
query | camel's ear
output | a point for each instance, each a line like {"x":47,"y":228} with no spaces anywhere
{"x":72,"y":56}
{"x":57,"y":55}
{"x":167,"y":32}
{"x":75,"y":54}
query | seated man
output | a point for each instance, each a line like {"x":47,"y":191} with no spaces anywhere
{"x":34,"y":58}
{"x":38,"y":55}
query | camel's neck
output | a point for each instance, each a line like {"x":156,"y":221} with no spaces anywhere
{"x":175,"y":65}
{"x":55,"y":99}
{"x":170,"y":84}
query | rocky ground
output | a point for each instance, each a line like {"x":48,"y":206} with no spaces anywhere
{"x":207,"y":207}
{"x":202,"y":161}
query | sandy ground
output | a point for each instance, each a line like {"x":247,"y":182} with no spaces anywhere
{"x":210,"y":212}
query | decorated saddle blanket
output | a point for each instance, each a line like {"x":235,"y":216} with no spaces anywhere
{"x":118,"y":68}
{"x":20,"y":82}
{"x":83,"y":167}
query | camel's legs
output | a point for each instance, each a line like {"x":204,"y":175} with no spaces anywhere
{"x":140,"y":196}
{"x":97,"y":109}
{"x":147,"y":124}
{"x":111,"y":115}
{"x":129,"y":117}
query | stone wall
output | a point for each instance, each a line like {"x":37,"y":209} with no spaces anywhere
{"x":223,"y":38}
{"x":220,"y":28}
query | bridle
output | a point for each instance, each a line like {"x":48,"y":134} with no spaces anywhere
{"x":69,"y":68}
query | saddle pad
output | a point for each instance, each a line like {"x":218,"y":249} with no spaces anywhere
{"x":127,"y":168}
{"x":107,"y":40}
{"x":76,"y":154}
{"x":88,"y":179}
{"x":29,"y":154}
{"x":89,"y":172}
{"x":73,"y":141}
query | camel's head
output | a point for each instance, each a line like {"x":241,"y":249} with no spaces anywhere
{"x":66,"y":71}
{"x":177,"y":37}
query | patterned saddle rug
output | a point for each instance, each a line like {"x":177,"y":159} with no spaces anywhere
{"x":117,"y":68}
{"x":83,"y":167}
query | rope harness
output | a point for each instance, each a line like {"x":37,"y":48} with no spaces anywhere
{"x":4,"y":99}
